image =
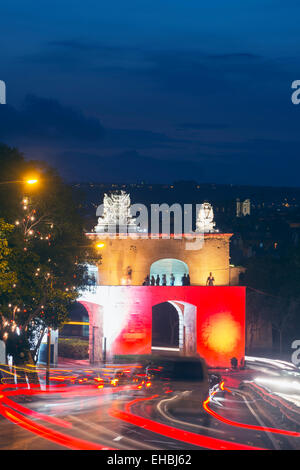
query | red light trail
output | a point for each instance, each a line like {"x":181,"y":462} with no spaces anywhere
{"x":47,"y":433}
{"x":23,"y":417}
{"x":12,"y":411}
{"x":243,"y":425}
{"x":175,"y":433}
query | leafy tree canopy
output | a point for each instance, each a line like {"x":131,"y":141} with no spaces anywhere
{"x":43,"y":248}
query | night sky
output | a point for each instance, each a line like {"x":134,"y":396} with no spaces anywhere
{"x":160,"y":90}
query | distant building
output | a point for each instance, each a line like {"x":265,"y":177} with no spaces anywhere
{"x":243,"y":208}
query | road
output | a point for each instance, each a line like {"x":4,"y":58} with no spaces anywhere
{"x":78,"y":411}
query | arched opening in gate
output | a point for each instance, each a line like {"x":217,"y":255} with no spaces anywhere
{"x":78,"y":324}
{"x":174,"y":327}
{"x":169,"y":266}
{"x":166,"y":326}
{"x":95,"y":317}
{"x":73,"y":340}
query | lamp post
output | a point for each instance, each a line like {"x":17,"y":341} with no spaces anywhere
{"x":48,"y":357}
{"x":104,"y":350}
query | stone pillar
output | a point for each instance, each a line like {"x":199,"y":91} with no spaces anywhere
{"x":95,"y":331}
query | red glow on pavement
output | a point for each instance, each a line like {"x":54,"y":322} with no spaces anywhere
{"x":243,"y":425}
{"x":22,"y":416}
{"x":224,"y":388}
{"x":35,"y":414}
{"x":12,"y":411}
{"x":47,"y":433}
{"x":175,"y":433}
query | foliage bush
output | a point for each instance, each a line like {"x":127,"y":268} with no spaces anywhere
{"x":73,"y":348}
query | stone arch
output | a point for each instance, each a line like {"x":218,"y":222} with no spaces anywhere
{"x":78,"y":314}
{"x":166,"y":327}
{"x":96,"y":336}
{"x":187,"y":336}
{"x":168,"y":266}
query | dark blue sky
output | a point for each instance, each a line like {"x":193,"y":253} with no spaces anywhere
{"x":155,"y":90}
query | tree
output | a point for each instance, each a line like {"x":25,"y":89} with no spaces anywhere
{"x":7,"y":277}
{"x":13,"y":168}
{"x":44,"y":254}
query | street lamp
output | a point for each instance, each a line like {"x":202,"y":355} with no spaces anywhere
{"x":28,"y":181}
{"x":100,"y":245}
{"x":33,"y":181}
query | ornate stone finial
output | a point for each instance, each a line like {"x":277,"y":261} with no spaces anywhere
{"x":116,"y":215}
{"x":205,"y":219}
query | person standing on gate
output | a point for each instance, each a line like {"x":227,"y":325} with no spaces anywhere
{"x":128,"y":275}
{"x":210,"y":280}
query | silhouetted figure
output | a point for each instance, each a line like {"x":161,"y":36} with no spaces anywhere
{"x":188,"y":280}
{"x":128,"y":275}
{"x":183,"y":280}
{"x":152,"y":281}
{"x":146,"y":281}
{"x":164,"y":280}
{"x":210,"y":280}
{"x":234,"y":362}
{"x":172,"y":280}
{"x":157,"y":280}
{"x":129,"y":271}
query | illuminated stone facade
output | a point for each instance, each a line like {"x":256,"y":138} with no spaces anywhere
{"x":128,"y":315}
{"x":128,"y":259}
{"x":211,"y":321}
{"x":120,"y":255}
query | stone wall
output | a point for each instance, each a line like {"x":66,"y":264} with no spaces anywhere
{"x":211,"y":319}
{"x":117,"y":254}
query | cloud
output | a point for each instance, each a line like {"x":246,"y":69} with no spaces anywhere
{"x":70,"y":54}
{"x":97,"y":56}
{"x":128,"y":167}
{"x":46,"y":119}
{"x":138,"y":138}
{"x":234,"y":55}
{"x":202,"y":126}
{"x":85,"y":150}
{"x":44,"y":128}
{"x":76,"y":44}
